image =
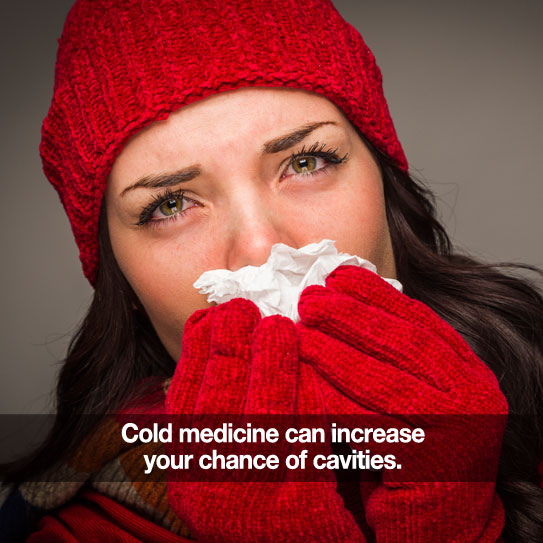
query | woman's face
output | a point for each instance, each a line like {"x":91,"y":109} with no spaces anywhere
{"x":223,"y":179}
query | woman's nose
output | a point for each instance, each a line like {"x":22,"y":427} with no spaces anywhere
{"x":254,"y":227}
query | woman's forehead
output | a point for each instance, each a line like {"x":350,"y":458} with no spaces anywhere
{"x":252,"y":107}
{"x":255,"y":116}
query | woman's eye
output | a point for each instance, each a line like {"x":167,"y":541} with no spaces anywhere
{"x":169,"y":207}
{"x":164,"y":207}
{"x":305,"y":164}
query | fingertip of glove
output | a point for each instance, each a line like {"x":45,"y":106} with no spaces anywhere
{"x":233,"y":324}
{"x":198,"y":316}
{"x":313,"y":297}
{"x":276,"y":321}
{"x":359,"y":283}
{"x":197,"y":323}
{"x":349,"y":274}
{"x":313,"y":290}
{"x":276,"y":326}
{"x":240,"y":306}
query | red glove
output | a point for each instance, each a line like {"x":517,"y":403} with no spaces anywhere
{"x":380,"y":352}
{"x":235,"y":362}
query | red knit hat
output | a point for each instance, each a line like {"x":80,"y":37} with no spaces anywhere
{"x":123,"y":64}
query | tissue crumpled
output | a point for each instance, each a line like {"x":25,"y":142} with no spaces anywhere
{"x":275,"y":287}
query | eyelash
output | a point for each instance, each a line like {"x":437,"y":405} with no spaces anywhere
{"x":157,"y":201}
{"x":317,"y":150}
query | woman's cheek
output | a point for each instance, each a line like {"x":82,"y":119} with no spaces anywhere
{"x":169,"y":305}
{"x":162,"y":275}
{"x":352,"y":214}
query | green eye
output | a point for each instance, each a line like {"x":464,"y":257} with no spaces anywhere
{"x":171,"y":206}
{"x":168,"y":205}
{"x":304,"y":164}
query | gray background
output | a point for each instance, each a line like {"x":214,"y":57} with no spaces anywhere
{"x":464,"y":84}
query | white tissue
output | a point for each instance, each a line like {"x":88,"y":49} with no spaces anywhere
{"x":275,"y":287}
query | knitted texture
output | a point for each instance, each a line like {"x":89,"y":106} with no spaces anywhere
{"x":379,"y":351}
{"x":123,"y":64}
{"x":235,"y":362}
{"x":360,"y":348}
{"x":95,"y":517}
{"x":104,"y":463}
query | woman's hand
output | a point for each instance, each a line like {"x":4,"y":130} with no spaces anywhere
{"x":234,"y":362}
{"x":378,"y":351}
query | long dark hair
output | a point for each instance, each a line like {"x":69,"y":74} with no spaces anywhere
{"x":494,"y":307}
{"x":500,"y":314}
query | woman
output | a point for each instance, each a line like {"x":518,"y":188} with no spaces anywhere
{"x":167,"y":169}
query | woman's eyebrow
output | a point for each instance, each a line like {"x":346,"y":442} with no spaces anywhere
{"x":164,"y":180}
{"x":288,"y":140}
{"x":186,"y":174}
